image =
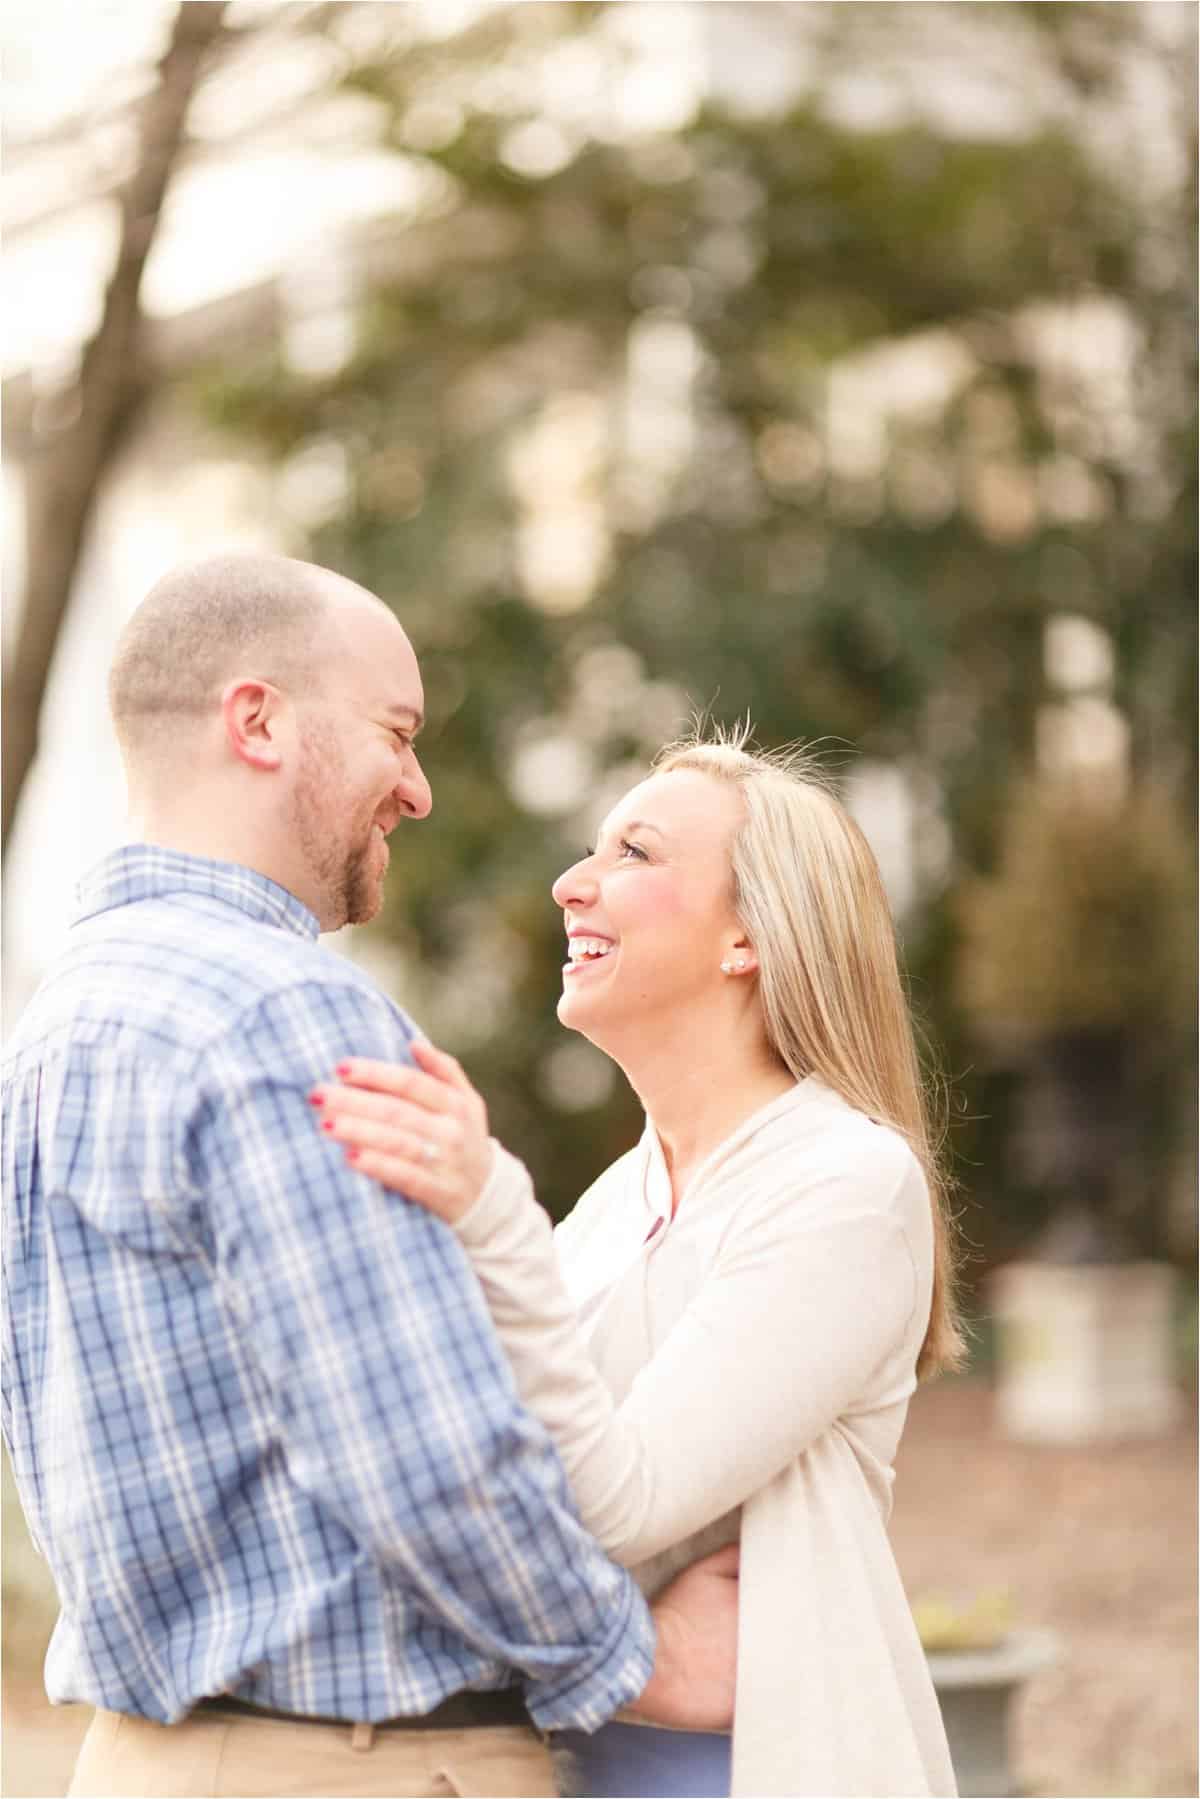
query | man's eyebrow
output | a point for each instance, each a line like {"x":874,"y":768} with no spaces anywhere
{"x":410,"y":712}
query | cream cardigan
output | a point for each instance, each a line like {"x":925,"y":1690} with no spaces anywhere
{"x":745,"y":1369}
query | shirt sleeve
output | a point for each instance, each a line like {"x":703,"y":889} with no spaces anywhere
{"x":812,"y":1293}
{"x":398,"y":1412}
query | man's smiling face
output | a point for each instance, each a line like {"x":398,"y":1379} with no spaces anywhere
{"x":358,"y":773}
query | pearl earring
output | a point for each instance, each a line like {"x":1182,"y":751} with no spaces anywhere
{"x":741,"y":961}
{"x":727,"y":968}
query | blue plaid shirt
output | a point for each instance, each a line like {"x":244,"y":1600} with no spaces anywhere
{"x":260,"y":1422}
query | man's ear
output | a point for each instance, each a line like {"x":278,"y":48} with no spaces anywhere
{"x":252,"y":712}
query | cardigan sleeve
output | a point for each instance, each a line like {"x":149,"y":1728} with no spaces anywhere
{"x":812,"y":1293}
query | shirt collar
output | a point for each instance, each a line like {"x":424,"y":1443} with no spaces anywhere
{"x":141,"y":871}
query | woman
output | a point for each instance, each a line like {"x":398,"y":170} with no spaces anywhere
{"x":724,"y":1335}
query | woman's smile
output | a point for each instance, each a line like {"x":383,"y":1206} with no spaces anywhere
{"x":586,"y":952}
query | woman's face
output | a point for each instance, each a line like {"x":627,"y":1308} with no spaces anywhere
{"x":649,"y":913}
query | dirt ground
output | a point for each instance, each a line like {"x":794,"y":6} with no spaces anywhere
{"x":1098,"y":1545}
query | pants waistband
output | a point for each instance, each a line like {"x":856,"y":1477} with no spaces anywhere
{"x":462,"y":1711}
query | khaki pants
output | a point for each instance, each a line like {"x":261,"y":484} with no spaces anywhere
{"x":208,"y":1756}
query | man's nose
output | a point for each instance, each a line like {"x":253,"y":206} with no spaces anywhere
{"x":413,"y":791}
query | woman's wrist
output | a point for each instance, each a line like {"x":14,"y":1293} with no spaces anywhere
{"x":506,"y":1186}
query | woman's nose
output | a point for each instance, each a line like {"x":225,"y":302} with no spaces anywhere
{"x":576,"y":886}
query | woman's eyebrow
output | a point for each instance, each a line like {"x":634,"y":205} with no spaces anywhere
{"x":633,"y":824}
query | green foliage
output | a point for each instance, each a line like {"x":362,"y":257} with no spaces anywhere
{"x":1087,"y":924}
{"x":891,"y":603}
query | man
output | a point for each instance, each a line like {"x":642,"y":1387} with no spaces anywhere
{"x":303,"y":1533}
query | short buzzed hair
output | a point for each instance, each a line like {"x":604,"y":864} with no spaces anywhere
{"x":208,"y":621}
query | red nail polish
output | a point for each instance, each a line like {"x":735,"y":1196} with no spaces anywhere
{"x":352,"y":1155}
{"x":343,"y":1068}
{"x":327,"y":1124}
{"x":316,"y":1099}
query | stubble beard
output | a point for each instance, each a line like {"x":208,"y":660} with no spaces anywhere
{"x":361,"y":886}
{"x":339,"y":862}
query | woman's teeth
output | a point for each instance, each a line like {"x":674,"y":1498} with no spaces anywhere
{"x":587,"y":948}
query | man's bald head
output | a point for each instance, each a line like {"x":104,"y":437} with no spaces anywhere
{"x":207,"y":622}
{"x":267,"y":712}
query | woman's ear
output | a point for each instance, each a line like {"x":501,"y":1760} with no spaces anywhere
{"x":252,"y":712}
{"x":738,"y":956}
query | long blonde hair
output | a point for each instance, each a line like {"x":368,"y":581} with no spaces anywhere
{"x":808,"y":890}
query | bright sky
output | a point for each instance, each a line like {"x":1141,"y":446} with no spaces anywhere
{"x":60,"y":57}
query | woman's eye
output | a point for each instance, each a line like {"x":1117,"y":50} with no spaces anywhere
{"x":626,"y":848}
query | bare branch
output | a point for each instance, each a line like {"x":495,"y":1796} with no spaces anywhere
{"x":65,"y":475}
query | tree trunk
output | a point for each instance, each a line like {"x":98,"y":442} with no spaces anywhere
{"x":65,"y":476}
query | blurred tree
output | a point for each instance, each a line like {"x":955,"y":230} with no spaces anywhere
{"x":94,"y":414}
{"x":1078,"y":963}
{"x":773,"y":413}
